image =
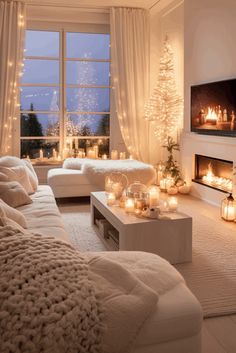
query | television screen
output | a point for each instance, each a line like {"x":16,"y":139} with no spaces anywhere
{"x":213,"y":108}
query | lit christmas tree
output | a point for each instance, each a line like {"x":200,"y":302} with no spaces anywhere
{"x":165,"y":106}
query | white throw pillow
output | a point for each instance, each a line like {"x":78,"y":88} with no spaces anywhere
{"x":14,"y":194}
{"x":5,"y":221}
{"x":3,"y":177}
{"x":19,"y":174}
{"x":13,"y":214}
{"x":33,"y":178}
{"x":10,"y":161}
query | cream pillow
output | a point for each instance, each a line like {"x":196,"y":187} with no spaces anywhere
{"x":4,"y":221}
{"x":10,"y":161}
{"x":14,"y":194}
{"x":3,"y":177}
{"x":20,"y":174}
{"x":13,"y":214}
{"x":32,"y":175}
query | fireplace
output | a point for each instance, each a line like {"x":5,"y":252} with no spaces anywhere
{"x":214,"y":173}
{"x":213,"y":108}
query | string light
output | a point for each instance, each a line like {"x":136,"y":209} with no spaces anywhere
{"x":164,"y":109}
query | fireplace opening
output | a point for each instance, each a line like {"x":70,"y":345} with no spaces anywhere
{"x":214,"y":173}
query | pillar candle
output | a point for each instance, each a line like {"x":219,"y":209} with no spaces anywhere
{"x":129,"y":205}
{"x":111,"y":199}
{"x":40,"y":154}
{"x":104,"y":156}
{"x":153,"y":197}
{"x":122,"y":155}
{"x":173,"y":203}
{"x":114,"y":154}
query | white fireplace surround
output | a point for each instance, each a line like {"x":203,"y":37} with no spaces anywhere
{"x":211,"y":146}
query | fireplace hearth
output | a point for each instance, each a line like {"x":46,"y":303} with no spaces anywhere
{"x":214,"y":173}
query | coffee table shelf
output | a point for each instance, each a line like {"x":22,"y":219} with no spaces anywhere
{"x":168,"y":238}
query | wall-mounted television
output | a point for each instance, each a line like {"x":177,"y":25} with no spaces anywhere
{"x":213,"y":108}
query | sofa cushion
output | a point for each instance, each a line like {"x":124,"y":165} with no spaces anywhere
{"x":43,"y":215}
{"x":33,"y":178}
{"x":14,"y":194}
{"x":13,"y":214}
{"x":61,"y":176}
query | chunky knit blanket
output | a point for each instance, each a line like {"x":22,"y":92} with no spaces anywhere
{"x":54,"y":299}
{"x":47,"y":302}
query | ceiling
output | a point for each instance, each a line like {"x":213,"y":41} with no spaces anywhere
{"x":147,"y":4}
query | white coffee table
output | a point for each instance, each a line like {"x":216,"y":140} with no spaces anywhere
{"x":168,"y":238}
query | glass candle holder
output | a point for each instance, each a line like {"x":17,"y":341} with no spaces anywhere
{"x":172,"y":204}
{"x":111,"y":199}
{"x":129,"y":205}
{"x":228,"y":208}
{"x":153,"y":196}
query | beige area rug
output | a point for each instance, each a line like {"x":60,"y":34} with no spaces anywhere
{"x":212,"y":274}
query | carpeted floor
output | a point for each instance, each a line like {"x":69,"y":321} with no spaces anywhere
{"x":212,"y":274}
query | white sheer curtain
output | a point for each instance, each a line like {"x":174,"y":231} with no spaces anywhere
{"x":12,"y":27}
{"x":130,"y":72}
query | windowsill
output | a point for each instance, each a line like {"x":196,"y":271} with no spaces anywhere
{"x":45,"y":162}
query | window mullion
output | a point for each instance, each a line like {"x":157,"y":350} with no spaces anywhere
{"x":62,"y":92}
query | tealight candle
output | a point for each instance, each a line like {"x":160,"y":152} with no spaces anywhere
{"x":173,"y":203}
{"x":129,"y":205}
{"x":111,"y":199}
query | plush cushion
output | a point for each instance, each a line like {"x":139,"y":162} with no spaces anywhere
{"x":4,"y":221}
{"x":73,"y":163}
{"x":19,"y":174}
{"x":13,"y":214}
{"x":10,"y":161}
{"x":14,"y":194}
{"x":3,"y":177}
{"x":31,"y":173}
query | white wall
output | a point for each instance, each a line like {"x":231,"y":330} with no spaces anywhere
{"x":168,"y":20}
{"x":209,"y":55}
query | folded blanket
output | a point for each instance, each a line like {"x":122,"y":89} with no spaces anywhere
{"x":97,"y":170}
{"x":54,"y":299}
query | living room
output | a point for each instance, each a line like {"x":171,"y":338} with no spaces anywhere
{"x":80,"y":137}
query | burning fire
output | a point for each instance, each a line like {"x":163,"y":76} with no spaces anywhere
{"x":213,"y":180}
{"x":211,"y":114}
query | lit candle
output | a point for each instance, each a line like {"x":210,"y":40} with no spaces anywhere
{"x":40,"y":154}
{"x":65,"y":153}
{"x":104,"y":156}
{"x":76,"y":143}
{"x":114,"y":154}
{"x":159,"y":176}
{"x":27,"y":157}
{"x":90,"y":153}
{"x":131,"y":157}
{"x":153,"y":196}
{"x":122,"y":155}
{"x":129,"y":205}
{"x":111,"y":199}
{"x":108,"y":184}
{"x":95,"y":148}
{"x":54,"y":154}
{"x":173,"y":203}
{"x":229,"y":213}
{"x":163,"y":184}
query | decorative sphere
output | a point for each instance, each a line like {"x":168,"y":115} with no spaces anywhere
{"x":184,"y":189}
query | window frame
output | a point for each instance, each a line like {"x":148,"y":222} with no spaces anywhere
{"x":63,"y":29}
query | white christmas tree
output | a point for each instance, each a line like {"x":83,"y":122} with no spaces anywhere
{"x":164,"y":108}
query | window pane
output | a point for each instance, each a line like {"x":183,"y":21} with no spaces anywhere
{"x":39,"y":98}
{"x":87,"y":125}
{"x":34,"y":124}
{"x":88,"y":99}
{"x":87,"y":73}
{"x":31,"y":148}
{"x":42,"y":43}
{"x":88,"y":45}
{"x":41,"y":71}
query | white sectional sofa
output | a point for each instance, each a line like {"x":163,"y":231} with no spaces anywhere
{"x":176,"y":321}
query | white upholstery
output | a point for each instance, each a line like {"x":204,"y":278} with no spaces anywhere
{"x":70,"y":183}
{"x":43,"y":215}
{"x":175,"y":325}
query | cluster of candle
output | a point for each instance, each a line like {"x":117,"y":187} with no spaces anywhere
{"x":135,"y":205}
{"x":166,"y":183}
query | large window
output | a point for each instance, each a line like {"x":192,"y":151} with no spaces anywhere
{"x":65,"y":93}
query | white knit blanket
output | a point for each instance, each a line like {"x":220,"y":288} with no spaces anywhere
{"x":54,"y":299}
{"x":97,"y":170}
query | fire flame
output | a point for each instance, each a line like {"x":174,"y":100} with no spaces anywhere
{"x":213,"y":180}
{"x":211,"y":115}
